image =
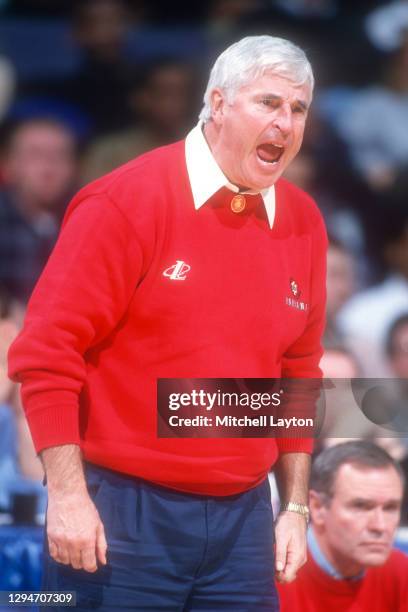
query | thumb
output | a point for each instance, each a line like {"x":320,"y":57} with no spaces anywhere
{"x":280,"y":555}
{"x":280,"y":558}
{"x":101,"y":544}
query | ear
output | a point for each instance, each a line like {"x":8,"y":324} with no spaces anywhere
{"x":218,"y":104}
{"x":318,"y":507}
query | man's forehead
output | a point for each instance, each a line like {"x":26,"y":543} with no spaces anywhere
{"x":278,"y":86}
{"x":358,"y":481}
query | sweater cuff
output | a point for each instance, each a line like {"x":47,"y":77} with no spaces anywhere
{"x":54,"y":426}
{"x":295,"y":445}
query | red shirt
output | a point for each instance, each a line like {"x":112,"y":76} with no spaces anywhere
{"x":382,"y":589}
{"x":105,"y":322}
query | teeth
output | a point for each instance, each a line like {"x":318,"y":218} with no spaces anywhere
{"x":268,"y":162}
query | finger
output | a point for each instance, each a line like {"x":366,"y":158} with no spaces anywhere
{"x":280,"y":557}
{"x":286,"y":575}
{"x":53,"y":549}
{"x":293,"y":564}
{"x":280,"y":577}
{"x":89,"y":559}
{"x":289,"y":574}
{"x":75,"y":556}
{"x":62,"y":553}
{"x":101,"y":544}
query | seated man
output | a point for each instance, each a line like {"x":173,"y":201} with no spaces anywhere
{"x":355,"y":502}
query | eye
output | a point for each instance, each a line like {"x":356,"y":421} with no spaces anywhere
{"x":392,"y":507}
{"x":270,"y":102}
{"x":361,"y":505}
{"x":299,"y":109}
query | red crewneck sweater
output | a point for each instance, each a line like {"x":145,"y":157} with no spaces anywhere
{"x":104,"y":322}
{"x":382,"y":589}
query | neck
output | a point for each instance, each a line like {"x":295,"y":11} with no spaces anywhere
{"x":344,"y":566}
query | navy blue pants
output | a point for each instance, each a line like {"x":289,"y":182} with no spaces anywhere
{"x":175,"y":552}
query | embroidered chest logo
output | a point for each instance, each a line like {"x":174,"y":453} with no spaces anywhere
{"x":294,"y":288}
{"x":293,"y":300}
{"x":178,"y":271}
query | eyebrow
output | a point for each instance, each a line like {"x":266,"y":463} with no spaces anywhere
{"x":363,"y":500}
{"x":271,"y":96}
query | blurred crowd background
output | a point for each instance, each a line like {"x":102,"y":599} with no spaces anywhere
{"x":86,"y":86}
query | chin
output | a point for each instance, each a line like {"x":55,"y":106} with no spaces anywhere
{"x":263,"y":182}
{"x":374,"y":559}
{"x":258,"y":176}
{"x":273,"y":175}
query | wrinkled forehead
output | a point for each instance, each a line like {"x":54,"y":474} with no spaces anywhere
{"x":273,"y":84}
{"x":278,"y":72}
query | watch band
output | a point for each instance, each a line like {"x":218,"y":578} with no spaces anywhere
{"x":295,"y":507}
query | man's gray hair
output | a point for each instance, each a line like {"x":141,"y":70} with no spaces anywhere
{"x":252,"y":57}
{"x":359,"y":453}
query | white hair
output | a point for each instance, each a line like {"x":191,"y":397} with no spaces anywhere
{"x":252,"y":57}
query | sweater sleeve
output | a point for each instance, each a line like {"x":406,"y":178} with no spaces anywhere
{"x":81,"y":296}
{"x":301,"y":360}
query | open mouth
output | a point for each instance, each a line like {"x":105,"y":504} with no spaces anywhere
{"x":270,"y":153}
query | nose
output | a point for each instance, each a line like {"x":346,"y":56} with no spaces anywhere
{"x":282,"y":119}
{"x":377,"y":522}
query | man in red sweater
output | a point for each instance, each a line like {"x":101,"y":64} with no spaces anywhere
{"x":355,"y":504}
{"x":193,"y":260}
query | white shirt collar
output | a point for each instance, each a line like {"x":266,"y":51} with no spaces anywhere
{"x":206,"y":177}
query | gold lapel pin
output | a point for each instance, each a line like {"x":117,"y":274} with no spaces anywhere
{"x":238,"y":203}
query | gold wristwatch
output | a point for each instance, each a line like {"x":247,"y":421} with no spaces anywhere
{"x":295,"y":507}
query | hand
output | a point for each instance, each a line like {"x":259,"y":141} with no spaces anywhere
{"x":290,"y":551}
{"x":75,"y":531}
